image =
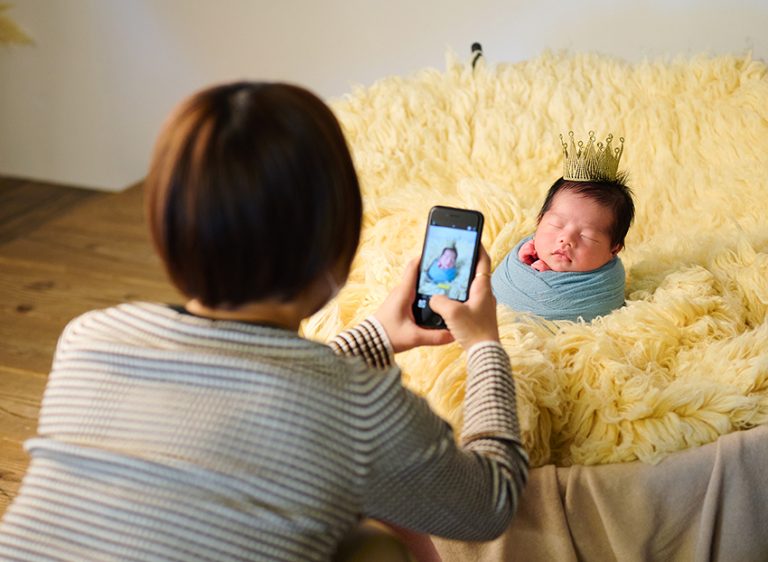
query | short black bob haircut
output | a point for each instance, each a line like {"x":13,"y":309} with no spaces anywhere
{"x":252,"y":194}
{"x":613,"y":195}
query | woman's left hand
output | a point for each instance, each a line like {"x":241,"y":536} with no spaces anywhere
{"x":396,"y":316}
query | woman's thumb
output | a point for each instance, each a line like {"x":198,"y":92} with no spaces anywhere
{"x":441,"y":304}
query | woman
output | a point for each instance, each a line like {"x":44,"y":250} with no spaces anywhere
{"x":213,"y":431}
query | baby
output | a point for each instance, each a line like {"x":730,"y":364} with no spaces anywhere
{"x":569,"y":268}
{"x":443,"y":269}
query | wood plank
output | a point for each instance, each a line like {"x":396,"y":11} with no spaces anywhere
{"x":104,"y":234}
{"x":25,"y":205}
{"x":20,"y":395}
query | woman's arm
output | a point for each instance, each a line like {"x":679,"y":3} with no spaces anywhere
{"x":367,"y":340}
{"x":422,"y":480}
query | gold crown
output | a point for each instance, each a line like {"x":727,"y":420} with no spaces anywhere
{"x":595,"y":161}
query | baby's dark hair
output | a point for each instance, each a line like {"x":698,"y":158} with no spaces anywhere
{"x":614,"y":195}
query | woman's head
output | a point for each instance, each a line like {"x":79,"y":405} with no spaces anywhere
{"x":252,"y":194}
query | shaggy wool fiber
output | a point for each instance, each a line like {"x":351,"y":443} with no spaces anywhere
{"x":687,"y":359}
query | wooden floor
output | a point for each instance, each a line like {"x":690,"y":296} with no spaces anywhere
{"x":63,"y":251}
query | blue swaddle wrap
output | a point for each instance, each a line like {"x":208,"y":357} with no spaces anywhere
{"x":439,"y":275}
{"x":558,"y":295}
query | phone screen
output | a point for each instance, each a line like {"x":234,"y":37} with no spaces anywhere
{"x":448,"y":260}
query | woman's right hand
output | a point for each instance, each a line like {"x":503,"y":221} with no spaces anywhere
{"x":396,"y":317}
{"x":473,"y":321}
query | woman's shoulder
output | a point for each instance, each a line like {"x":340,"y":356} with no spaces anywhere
{"x":89,"y":322}
{"x":158,"y":332}
{"x":147,"y":325}
{"x":116,"y":319}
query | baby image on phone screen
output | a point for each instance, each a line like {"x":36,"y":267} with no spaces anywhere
{"x":446,"y":262}
{"x":443,"y":269}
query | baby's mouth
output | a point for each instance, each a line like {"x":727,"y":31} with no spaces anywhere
{"x":561,"y":254}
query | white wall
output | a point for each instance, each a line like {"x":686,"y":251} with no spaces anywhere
{"x":83,"y":105}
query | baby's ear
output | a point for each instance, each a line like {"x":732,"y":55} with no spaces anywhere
{"x":617,"y":248}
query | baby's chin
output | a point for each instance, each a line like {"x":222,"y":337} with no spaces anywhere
{"x":570,"y":267}
{"x":562,"y":268}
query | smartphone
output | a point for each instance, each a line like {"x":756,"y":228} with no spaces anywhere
{"x":448,"y":260}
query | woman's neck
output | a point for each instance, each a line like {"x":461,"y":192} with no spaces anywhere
{"x":273,"y":313}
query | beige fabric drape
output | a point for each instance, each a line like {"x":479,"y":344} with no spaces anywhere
{"x":704,"y":504}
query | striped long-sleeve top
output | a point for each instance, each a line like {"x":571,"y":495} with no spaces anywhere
{"x":166,"y":436}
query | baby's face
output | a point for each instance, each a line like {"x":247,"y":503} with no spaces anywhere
{"x":574,"y":234}
{"x":447,"y":260}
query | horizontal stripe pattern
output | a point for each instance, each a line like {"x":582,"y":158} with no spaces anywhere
{"x":165,"y":436}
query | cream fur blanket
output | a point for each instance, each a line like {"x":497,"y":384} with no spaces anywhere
{"x":687,"y":359}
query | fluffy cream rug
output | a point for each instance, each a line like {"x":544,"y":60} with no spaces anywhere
{"x":687,"y":359}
